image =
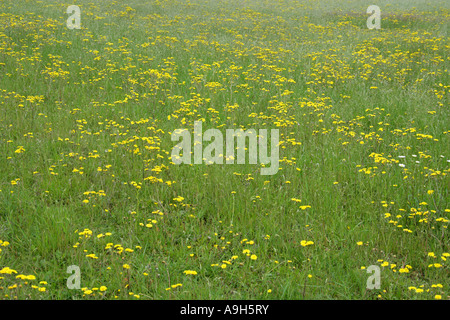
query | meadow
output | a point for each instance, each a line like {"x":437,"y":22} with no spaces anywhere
{"x":87,"y":179}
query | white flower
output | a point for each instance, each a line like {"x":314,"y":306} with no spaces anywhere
{"x":401,"y":165}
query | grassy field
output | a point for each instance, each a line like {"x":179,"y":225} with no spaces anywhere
{"x":87,"y":179}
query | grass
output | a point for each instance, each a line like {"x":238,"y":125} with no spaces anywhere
{"x":87,"y":179}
